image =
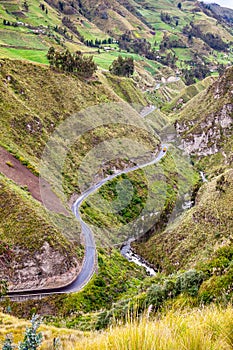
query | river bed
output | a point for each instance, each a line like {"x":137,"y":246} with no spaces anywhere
{"x":128,"y":253}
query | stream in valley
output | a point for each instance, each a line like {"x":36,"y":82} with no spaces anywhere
{"x":131,"y":256}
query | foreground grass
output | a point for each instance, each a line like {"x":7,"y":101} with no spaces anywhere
{"x":205,"y":329}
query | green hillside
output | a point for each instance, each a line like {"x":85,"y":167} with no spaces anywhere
{"x":196,"y":235}
{"x":209,"y":114}
{"x":30,"y":238}
{"x":173,"y":104}
{"x":28,"y":116}
{"x":176,"y":37}
{"x":205,"y":126}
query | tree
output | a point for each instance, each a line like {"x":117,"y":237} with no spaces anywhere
{"x":179,"y":6}
{"x":122,"y":66}
{"x":68,"y":62}
{"x":26,"y":6}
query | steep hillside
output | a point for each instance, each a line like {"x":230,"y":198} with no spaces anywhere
{"x":34,"y":100}
{"x":198,"y":233}
{"x":186,"y":94}
{"x":205,"y":124}
{"x":181,"y":37}
{"x":114,"y":17}
{"x":34,"y":252}
{"x":184,"y":31}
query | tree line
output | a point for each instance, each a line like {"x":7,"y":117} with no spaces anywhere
{"x":84,"y":66}
{"x":76,"y":63}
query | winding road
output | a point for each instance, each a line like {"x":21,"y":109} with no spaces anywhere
{"x":90,"y":259}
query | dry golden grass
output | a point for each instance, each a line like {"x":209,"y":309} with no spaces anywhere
{"x":199,"y":329}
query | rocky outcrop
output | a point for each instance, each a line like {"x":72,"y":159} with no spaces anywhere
{"x":205,"y":139}
{"x":47,"y":268}
{"x":205,"y":123}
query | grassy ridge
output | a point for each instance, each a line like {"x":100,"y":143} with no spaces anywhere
{"x":186,"y":94}
{"x":34,"y":112}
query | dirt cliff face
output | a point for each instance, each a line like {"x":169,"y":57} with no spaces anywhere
{"x":46,"y":268}
{"x":34,"y":253}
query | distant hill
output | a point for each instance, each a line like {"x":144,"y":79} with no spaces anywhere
{"x":181,"y":35}
{"x":221,"y":13}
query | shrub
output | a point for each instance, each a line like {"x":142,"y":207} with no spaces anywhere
{"x":32,"y":339}
{"x":189,"y":282}
{"x":156,"y":295}
{"x":217,"y":288}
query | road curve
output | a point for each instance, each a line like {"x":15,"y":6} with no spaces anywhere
{"x":90,"y":258}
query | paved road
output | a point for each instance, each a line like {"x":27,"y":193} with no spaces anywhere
{"x":147,"y":110}
{"x":89,"y":263}
{"x":167,"y":81}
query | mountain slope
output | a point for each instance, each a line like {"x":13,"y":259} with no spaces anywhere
{"x":204,"y":125}
{"x":34,"y":252}
{"x":158,"y":30}
{"x":114,"y":18}
{"x":34,"y":100}
{"x":198,"y":233}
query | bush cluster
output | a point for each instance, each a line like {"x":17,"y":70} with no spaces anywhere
{"x":75,"y":63}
